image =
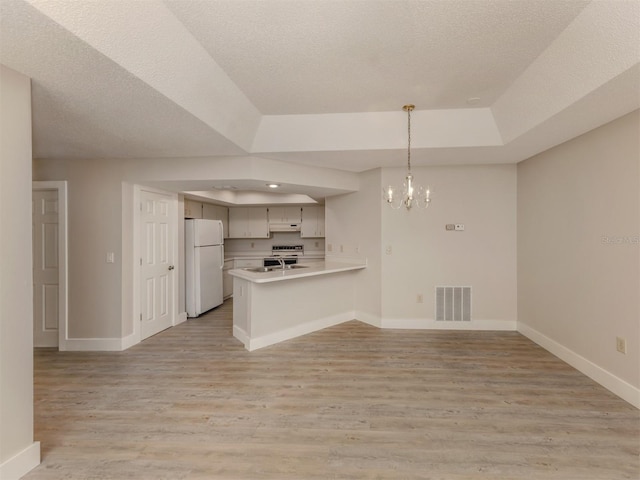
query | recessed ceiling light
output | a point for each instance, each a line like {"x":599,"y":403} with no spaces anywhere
{"x":273,"y":185}
{"x":473,"y":100}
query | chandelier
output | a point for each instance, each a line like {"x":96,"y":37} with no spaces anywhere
{"x":411,"y":194}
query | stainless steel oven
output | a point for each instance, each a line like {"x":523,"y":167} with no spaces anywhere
{"x":273,"y":261}
{"x":288,"y":253}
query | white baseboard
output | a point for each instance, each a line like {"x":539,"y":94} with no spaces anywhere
{"x":241,"y":335}
{"x":22,"y":463}
{"x":182,"y":317}
{"x":431,"y":324}
{"x":369,"y":319}
{"x":93,"y":344}
{"x":616,"y":385}
{"x":129,"y":341}
{"x":297,"y":331}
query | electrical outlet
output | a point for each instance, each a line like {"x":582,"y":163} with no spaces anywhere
{"x":450,"y":226}
{"x":420,"y":298}
{"x":110,"y":257}
{"x":621,"y":345}
{"x":388,"y":250}
{"x":459,"y":227}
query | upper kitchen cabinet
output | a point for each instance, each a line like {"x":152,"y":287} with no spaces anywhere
{"x":285,"y":215}
{"x":248,"y":222}
{"x":312,"y":222}
{"x":217,"y":212}
{"x":192,"y":209}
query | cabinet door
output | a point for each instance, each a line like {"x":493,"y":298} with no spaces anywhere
{"x":238,"y":222}
{"x":285,"y":215}
{"x":320,"y":221}
{"x":258,"y":222}
{"x":276,"y":214}
{"x":292,"y":215}
{"x":192,"y":209}
{"x":312,"y":222}
{"x":217,"y":212}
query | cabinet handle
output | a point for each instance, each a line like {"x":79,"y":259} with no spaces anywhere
{"x":171,"y":267}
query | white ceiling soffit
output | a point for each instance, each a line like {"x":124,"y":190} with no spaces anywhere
{"x":241,"y":174}
{"x":321,"y":82}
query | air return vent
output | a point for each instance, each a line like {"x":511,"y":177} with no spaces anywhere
{"x":453,"y":304}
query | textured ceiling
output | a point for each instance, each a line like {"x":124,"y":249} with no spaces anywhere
{"x":321,"y":83}
{"x":297,"y":57}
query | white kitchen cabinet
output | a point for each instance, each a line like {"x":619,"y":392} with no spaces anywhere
{"x":248,"y":262}
{"x":227,"y":280}
{"x":312,"y":222}
{"x":192,"y":209}
{"x":248,"y":222}
{"x":285,"y":215}
{"x":217,"y":212}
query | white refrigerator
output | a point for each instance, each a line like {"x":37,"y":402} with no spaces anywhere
{"x":204,"y":257}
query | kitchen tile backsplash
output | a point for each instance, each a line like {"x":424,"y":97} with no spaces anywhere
{"x":311,"y":245}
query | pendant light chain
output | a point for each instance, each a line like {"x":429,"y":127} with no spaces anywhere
{"x":409,"y":137}
{"x":412,"y":195}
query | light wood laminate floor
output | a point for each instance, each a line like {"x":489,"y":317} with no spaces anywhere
{"x":348,"y":402}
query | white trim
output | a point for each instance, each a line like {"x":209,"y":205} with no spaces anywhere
{"x":175,"y":320}
{"x":432,"y":324}
{"x":369,"y":319}
{"x":21,"y":463}
{"x":296,"y":331}
{"x":63,"y":267}
{"x":241,"y":335}
{"x":97,"y":344}
{"x":181,"y":318}
{"x":128,"y":341}
{"x":616,"y":385}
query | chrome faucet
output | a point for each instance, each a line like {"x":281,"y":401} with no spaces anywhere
{"x":281,"y":261}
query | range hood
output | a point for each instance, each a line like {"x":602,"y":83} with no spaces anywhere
{"x":284,"y":227}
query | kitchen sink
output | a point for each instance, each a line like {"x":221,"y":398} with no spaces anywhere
{"x":274,"y":268}
{"x":258,"y":269}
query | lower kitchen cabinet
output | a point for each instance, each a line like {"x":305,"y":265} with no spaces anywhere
{"x":227,"y":280}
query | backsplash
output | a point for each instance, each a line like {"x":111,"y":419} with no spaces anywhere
{"x":261,"y":245}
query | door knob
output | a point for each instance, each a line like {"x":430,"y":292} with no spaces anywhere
{"x":171,"y":267}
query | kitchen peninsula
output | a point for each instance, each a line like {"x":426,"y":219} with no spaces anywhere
{"x":280,"y":304}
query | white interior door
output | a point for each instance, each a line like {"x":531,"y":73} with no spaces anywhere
{"x":156,"y":263}
{"x":45,"y":268}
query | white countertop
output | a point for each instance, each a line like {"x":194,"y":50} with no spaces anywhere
{"x":318,"y":268}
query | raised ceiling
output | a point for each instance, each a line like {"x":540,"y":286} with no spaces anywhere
{"x":321,"y":82}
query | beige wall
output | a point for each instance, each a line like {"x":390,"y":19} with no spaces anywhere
{"x":423,"y":253}
{"x":18,"y":452}
{"x":353,"y":228}
{"x":578,"y":247}
{"x":95,"y":195}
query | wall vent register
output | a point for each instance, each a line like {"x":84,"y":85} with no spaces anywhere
{"x":453,"y":304}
